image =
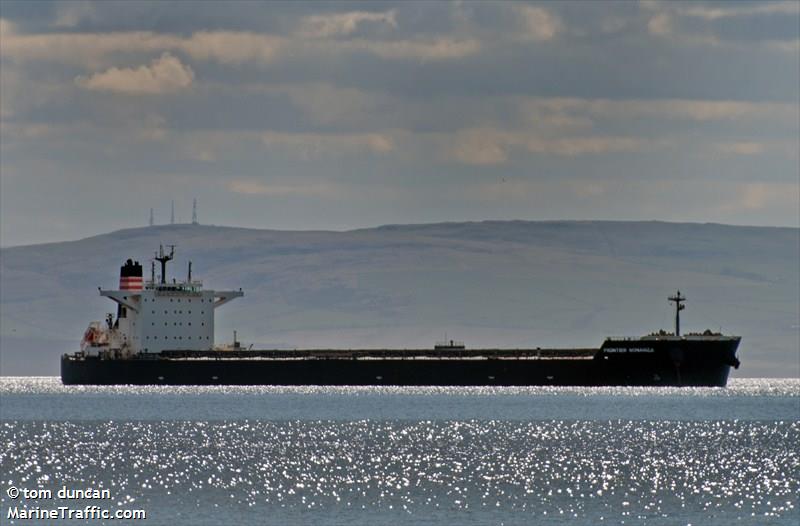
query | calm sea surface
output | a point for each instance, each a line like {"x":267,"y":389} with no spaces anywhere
{"x":374,"y":456}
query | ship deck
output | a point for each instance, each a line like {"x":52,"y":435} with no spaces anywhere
{"x":382,"y":354}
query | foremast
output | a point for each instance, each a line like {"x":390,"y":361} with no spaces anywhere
{"x":679,"y":306}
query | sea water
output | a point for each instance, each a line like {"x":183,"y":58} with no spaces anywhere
{"x":391,"y":455}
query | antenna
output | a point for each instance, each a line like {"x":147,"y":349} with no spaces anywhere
{"x":678,"y":299}
{"x":194,"y":212}
{"x":153,"y":272}
{"x":151,"y":217}
{"x":162,"y":258}
{"x":172,"y":215}
{"x":189,"y":280}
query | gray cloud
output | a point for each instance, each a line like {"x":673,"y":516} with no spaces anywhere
{"x":165,"y":74}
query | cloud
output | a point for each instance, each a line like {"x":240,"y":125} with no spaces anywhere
{"x":232,"y":47}
{"x":660,"y":24}
{"x":741,"y":148}
{"x":574,"y":146}
{"x":420,"y":49}
{"x":339,"y":24}
{"x":731,"y":10}
{"x":310,"y":145}
{"x":85,"y":49}
{"x":487,"y":146}
{"x":326,"y":103}
{"x":93,"y":50}
{"x":689,"y":109}
{"x":256,"y":187}
{"x":6,"y":28}
{"x":537,"y":23}
{"x":70,"y":14}
{"x":479,"y":147}
{"x":165,"y":74}
{"x":719,"y":10}
{"x":667,"y":17}
{"x":788,"y":149}
{"x":785,"y":46}
{"x":759,"y":196}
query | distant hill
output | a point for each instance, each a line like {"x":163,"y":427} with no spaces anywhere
{"x":499,"y":283}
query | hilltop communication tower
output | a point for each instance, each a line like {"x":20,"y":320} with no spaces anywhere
{"x":172,"y":215}
{"x":194,"y":212}
{"x":151,"y":217}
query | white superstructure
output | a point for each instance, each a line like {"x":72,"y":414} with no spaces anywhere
{"x":155,"y":316}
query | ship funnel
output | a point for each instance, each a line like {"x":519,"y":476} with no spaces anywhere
{"x":130,"y":276}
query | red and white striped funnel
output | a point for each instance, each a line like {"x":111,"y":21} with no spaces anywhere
{"x":130,"y":276}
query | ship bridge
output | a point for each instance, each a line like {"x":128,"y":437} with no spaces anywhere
{"x":159,"y":315}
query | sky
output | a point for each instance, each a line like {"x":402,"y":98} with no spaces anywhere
{"x":339,"y":115}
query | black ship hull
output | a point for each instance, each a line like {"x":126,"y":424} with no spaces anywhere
{"x":700,"y":361}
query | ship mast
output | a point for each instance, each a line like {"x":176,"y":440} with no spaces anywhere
{"x":162,"y":258}
{"x":678,"y":299}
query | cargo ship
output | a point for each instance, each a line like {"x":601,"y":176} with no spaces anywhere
{"x":163,"y":334}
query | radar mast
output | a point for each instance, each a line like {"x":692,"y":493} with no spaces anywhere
{"x":678,"y":300}
{"x":162,"y":258}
